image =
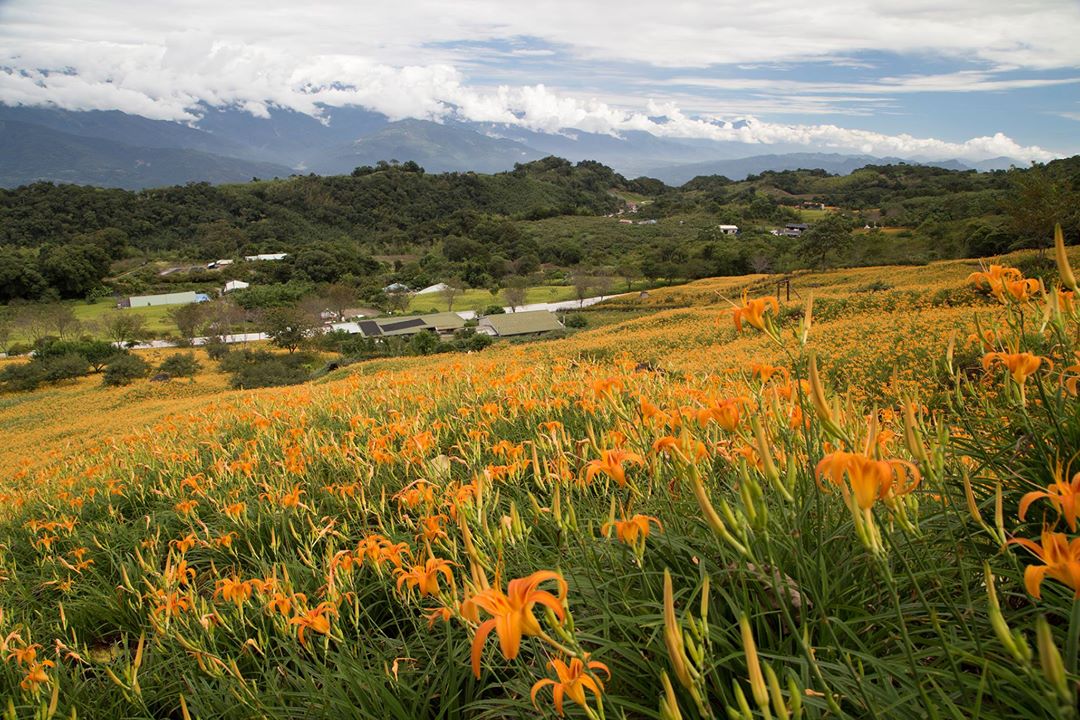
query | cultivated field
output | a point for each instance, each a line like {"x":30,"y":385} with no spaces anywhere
{"x":860,"y":505}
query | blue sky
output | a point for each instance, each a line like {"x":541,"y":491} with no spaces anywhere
{"x":970,"y":79}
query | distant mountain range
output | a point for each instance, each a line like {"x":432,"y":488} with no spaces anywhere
{"x":115,"y":149}
{"x":833,"y":163}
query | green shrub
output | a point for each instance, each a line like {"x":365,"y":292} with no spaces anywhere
{"x":23,"y":377}
{"x":96,"y":352}
{"x":493,"y":310}
{"x":64,"y":367}
{"x":272,"y":372}
{"x":124,"y":369}
{"x":875,"y":286}
{"x":215,"y":349}
{"x":576,"y":320}
{"x":181,"y":365}
{"x":424,"y":343}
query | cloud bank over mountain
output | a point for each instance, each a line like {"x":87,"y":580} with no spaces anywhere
{"x":763,"y":74}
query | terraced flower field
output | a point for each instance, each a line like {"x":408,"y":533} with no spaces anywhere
{"x":857,"y":505}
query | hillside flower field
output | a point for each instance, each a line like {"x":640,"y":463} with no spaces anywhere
{"x":858,"y":503}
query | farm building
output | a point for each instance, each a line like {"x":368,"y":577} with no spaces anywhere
{"x":533,"y":322}
{"x":177,"y":298}
{"x":728,"y":229}
{"x":236,"y":285}
{"x":266,"y":257}
{"x":444,"y":323}
{"x":432,"y":289}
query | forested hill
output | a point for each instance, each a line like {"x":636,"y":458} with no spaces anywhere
{"x":374,"y":204}
{"x":397,"y":223}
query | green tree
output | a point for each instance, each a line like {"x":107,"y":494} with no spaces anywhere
{"x":288,"y":327}
{"x":829,"y":236}
{"x":74,"y":270}
{"x":451,"y":291}
{"x":188,"y":319}
{"x":19,"y":276}
{"x":1035,"y":202}
{"x":123,"y":326}
{"x":516,"y":291}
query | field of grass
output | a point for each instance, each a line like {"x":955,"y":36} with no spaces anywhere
{"x":480,"y":298}
{"x":853,"y":510}
{"x":157,"y":318}
{"x":91,"y":315}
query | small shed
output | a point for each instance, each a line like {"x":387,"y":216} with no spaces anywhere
{"x":236,"y":285}
{"x":728,"y":229}
{"x":177,"y":298}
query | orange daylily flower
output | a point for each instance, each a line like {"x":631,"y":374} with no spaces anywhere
{"x":315,"y":620}
{"x":1066,"y":300}
{"x":234,"y":589}
{"x":443,"y":613}
{"x":1064,"y":496}
{"x":36,"y":676}
{"x":870,"y":479}
{"x":629,"y":531}
{"x":513,"y":613}
{"x":1061,"y":558}
{"x":573,"y":681}
{"x":1022,"y":290}
{"x":995,"y":279}
{"x":766,"y":371}
{"x":726,"y":413}
{"x":24,"y":655}
{"x":611,"y":464}
{"x":1020,"y":365}
{"x":426,"y":577}
{"x":753,"y":312}
{"x":186,"y":506}
{"x":1070,"y":377}
{"x":171,"y":604}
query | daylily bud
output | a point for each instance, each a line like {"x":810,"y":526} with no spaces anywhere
{"x":765,"y":453}
{"x":808,"y":318}
{"x":950,"y":353}
{"x":817,"y":397}
{"x":753,"y":666}
{"x":1013,"y":642}
{"x":705,"y":585}
{"x":779,"y":706}
{"x":911,"y":433}
{"x":1064,"y":269}
{"x":796,"y":696}
{"x":673,"y":636}
{"x":669,"y":704}
{"x":744,"y":712}
{"x":714,"y":521}
{"x":999,"y":514}
{"x":1050,"y":660}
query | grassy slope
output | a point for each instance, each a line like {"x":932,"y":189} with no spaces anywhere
{"x":662,"y":335}
{"x":320,"y":439}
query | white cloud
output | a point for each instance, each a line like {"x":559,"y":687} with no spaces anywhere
{"x":400,"y":58}
{"x":961,"y":81}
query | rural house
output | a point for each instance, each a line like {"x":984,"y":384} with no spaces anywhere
{"x":532,"y":322}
